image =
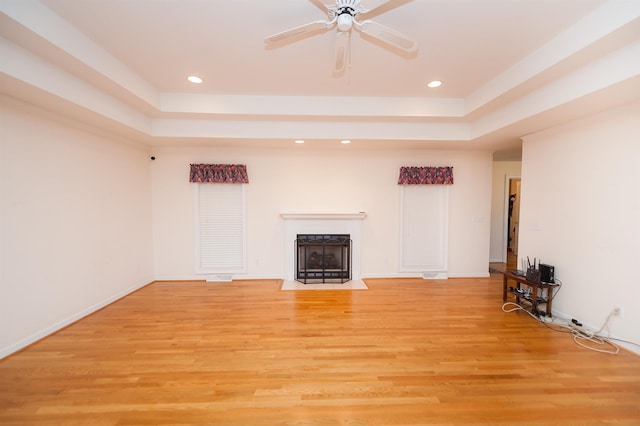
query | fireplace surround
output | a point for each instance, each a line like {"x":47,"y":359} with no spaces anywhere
{"x":322,"y":224}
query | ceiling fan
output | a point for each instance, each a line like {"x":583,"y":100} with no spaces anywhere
{"x":346,"y":14}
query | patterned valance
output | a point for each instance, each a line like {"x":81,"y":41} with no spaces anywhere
{"x":426,"y":176}
{"x":218,"y":173}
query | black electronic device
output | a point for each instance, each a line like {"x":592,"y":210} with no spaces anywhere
{"x":533,"y":273}
{"x":547,"y":273}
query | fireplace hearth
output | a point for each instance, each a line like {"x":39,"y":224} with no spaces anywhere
{"x":323,"y":258}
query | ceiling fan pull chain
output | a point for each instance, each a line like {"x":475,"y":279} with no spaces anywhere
{"x":349,"y":53}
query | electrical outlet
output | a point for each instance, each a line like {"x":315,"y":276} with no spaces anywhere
{"x":618,"y":311}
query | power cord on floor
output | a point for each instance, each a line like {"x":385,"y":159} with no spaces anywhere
{"x":578,"y":337}
{"x":597,"y":338}
{"x":517,"y":308}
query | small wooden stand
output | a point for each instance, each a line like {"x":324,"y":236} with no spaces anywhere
{"x":541,"y":293}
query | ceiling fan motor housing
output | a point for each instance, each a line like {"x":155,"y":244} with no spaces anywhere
{"x":345,"y":7}
{"x":345,"y":12}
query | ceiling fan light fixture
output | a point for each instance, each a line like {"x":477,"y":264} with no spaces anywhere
{"x":345,"y":142}
{"x":298,"y":141}
{"x":345,"y":22}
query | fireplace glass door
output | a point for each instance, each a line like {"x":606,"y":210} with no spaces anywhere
{"x":324,"y":258}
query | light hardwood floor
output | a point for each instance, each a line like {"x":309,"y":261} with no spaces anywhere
{"x":404,"y":352}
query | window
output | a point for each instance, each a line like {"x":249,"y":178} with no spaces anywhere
{"x":220,"y":228}
{"x":424,"y":228}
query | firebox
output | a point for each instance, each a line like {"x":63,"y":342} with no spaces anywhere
{"x":324,"y":258}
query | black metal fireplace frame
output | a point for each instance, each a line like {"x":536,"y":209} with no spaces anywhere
{"x":324,"y":271}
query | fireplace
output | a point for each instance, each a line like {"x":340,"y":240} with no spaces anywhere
{"x":323,"y":258}
{"x":322,"y":224}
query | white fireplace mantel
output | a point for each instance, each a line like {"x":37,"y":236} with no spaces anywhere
{"x":323,"y":216}
{"x":322,"y":223}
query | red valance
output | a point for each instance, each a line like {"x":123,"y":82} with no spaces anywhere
{"x":426,"y":176}
{"x":218,"y":173}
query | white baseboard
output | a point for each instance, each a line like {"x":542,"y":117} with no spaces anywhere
{"x":203,"y":277}
{"x":485,"y":274}
{"x":15,"y":347}
{"x":420,"y":275}
{"x":393,"y":275}
{"x":281,"y":277}
{"x":179,"y":277}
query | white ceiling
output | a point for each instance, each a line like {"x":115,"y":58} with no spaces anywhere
{"x":509,"y":67}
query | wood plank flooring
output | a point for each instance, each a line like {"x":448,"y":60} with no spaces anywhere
{"x":404,"y":352}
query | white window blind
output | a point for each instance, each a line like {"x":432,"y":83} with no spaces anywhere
{"x":221,"y":230}
{"x":424,"y":228}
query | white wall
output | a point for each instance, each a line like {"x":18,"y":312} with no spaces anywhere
{"x":302,"y":180}
{"x":580,"y":212}
{"x":501,"y":169}
{"x":86,"y":218}
{"x":75,"y":223}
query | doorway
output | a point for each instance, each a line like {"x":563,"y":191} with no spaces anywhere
{"x":512,"y":222}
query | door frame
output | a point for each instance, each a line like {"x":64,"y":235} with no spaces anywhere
{"x":505,"y":233}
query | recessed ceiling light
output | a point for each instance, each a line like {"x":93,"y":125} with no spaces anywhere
{"x":435,"y":83}
{"x":345,"y":141}
{"x":194,"y":79}
{"x":298,"y":141}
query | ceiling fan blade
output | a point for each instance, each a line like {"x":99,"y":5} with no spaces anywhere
{"x":389,"y":36}
{"x":293,"y":32}
{"x":371,"y":5}
{"x":341,"y":51}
